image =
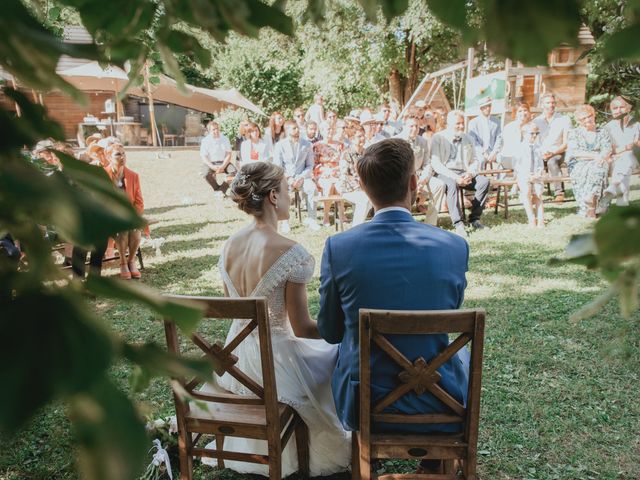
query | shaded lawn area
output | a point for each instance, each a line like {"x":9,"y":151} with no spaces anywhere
{"x":559,"y":399}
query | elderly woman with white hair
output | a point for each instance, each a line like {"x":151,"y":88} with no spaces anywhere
{"x":588,"y":158}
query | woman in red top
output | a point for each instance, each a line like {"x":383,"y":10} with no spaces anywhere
{"x":128,"y":181}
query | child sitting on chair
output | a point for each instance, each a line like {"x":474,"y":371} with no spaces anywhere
{"x":529,"y":168}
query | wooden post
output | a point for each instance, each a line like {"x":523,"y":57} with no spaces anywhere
{"x":508,"y":96}
{"x":13,"y":83}
{"x":152,"y":115}
{"x":470,"y":61}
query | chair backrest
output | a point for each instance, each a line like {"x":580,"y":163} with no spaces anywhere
{"x":219,"y":310}
{"x":420,"y":375}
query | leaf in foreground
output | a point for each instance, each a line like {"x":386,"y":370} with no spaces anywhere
{"x":49,"y":347}
{"x":185,"y":314}
{"x":111,"y":436}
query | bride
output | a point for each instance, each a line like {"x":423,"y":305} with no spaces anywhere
{"x":258,"y":262}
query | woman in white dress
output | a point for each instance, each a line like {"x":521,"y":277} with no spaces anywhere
{"x":257,"y":261}
{"x":254,"y":148}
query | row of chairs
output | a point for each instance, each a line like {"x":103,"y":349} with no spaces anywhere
{"x":261,"y":416}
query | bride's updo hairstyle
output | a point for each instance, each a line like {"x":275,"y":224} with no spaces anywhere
{"x":252,"y":185}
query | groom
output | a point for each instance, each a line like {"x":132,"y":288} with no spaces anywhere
{"x":392,"y":263}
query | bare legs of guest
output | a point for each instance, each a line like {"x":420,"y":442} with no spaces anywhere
{"x":129,"y":241}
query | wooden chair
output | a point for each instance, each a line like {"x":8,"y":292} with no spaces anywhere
{"x":257,"y":416}
{"x":168,"y":137}
{"x":338,"y":206}
{"x":297,"y":204}
{"x":421,"y":376}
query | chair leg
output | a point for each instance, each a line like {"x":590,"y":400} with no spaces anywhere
{"x":186,"y":460}
{"x":355,"y":457}
{"x":362,"y":458}
{"x":506,"y":203}
{"x":220,"y":449}
{"x":139,"y":255}
{"x":495,"y":211}
{"x":302,"y":446}
{"x":275,"y":461}
{"x":469,"y":468}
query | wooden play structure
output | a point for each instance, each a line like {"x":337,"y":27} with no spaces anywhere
{"x":565,"y":75}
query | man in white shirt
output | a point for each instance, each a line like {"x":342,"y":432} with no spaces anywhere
{"x":295,"y":155}
{"x":428,"y":184}
{"x":215,"y":153}
{"x":625,"y":135}
{"x":485,"y":132}
{"x":453,"y":160}
{"x":316,"y":111}
{"x":554,"y":128}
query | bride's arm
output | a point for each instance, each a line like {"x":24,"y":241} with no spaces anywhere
{"x":301,"y":322}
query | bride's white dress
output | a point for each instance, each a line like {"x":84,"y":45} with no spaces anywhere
{"x":303,"y":371}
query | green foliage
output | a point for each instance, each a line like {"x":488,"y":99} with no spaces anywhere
{"x":605,"y":18}
{"x":229,"y":121}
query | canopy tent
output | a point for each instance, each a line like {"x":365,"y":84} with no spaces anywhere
{"x":197,"y":98}
{"x":91,"y":76}
{"x":232,"y":97}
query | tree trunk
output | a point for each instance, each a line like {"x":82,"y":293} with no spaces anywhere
{"x":412,"y":79}
{"x":396,"y":87}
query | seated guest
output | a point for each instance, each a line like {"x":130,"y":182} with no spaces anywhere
{"x":429,"y":187}
{"x":129,"y":182}
{"x":553,"y":139}
{"x":336,"y":136}
{"x":275,"y":130}
{"x":330,"y":121}
{"x":44,"y":159}
{"x":255,"y":148}
{"x":390,"y":127}
{"x":528,"y":168}
{"x":215,"y":153}
{"x":311,"y":132}
{"x":371,"y":126}
{"x":298,"y":117}
{"x":315,"y":113}
{"x":624,"y":130}
{"x":295,"y":155}
{"x":588,"y":156}
{"x":326,"y":173}
{"x":95,"y":155}
{"x":512,"y":136}
{"x":349,"y":185}
{"x":243,"y":134}
{"x":453,"y":160}
{"x":485,"y":132}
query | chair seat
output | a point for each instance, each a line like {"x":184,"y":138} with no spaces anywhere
{"x":443,"y":446}
{"x":249,"y":421}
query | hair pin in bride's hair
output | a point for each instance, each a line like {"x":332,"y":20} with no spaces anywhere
{"x":255,"y":197}
{"x":243,"y":178}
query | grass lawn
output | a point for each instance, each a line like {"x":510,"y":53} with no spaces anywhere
{"x":559,"y":400}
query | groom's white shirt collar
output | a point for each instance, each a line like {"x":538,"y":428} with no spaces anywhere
{"x":391,"y":209}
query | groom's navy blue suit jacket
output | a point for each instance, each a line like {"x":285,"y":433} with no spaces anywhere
{"x":393,"y":263}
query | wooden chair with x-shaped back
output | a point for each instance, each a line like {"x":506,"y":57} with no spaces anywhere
{"x":422,"y":377}
{"x":256,"y":416}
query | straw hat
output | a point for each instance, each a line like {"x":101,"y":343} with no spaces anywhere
{"x":354,"y":116}
{"x":483,"y":102}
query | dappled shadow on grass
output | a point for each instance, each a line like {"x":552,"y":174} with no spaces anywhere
{"x":158,"y":210}
{"x":178,"y":271}
{"x":546,"y":378}
{"x":179,"y":229}
{"x":523,"y":262}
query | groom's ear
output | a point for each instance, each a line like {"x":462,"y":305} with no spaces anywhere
{"x":413,"y":182}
